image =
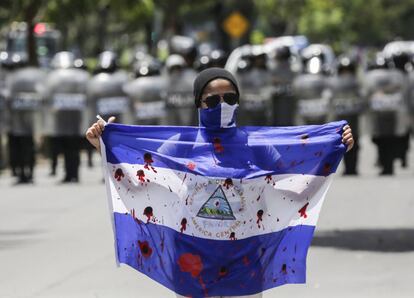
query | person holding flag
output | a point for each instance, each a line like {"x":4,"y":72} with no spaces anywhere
{"x":217,"y":210}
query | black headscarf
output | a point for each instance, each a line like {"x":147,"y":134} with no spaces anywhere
{"x":208,"y":75}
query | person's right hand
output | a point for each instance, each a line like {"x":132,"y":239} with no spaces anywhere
{"x":95,"y":131}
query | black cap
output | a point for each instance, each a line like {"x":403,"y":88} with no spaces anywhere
{"x":208,"y":75}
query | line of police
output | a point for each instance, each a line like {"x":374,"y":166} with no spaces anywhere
{"x":59,"y":104}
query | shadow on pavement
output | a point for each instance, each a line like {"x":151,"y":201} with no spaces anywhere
{"x":10,"y":239}
{"x":381,"y":240}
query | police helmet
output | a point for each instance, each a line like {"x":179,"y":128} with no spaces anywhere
{"x":184,"y":46}
{"x":346,"y":64}
{"x":400,"y":60}
{"x":79,"y":63}
{"x":13,"y":60}
{"x":258,"y":57}
{"x":317,"y":59}
{"x":63,"y":60}
{"x":147,"y":67}
{"x":244,"y":63}
{"x":107,"y":62}
{"x":175,"y":62}
{"x":217,"y":58}
{"x":282,"y":53}
{"x":378,"y":62}
{"x":202,"y":62}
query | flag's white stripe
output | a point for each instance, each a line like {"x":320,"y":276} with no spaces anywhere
{"x":109,"y":193}
{"x":175,"y":195}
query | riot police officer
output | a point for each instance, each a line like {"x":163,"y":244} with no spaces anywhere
{"x":386,"y":91}
{"x":312,"y":104}
{"x":2,"y":114}
{"x":346,"y":103}
{"x":105,"y":94}
{"x":283,"y":104}
{"x":255,"y":85}
{"x":24,"y":103}
{"x":65,"y":90}
{"x":411,"y":95}
{"x":147,"y":92}
{"x":401,"y":60}
{"x":179,"y":97}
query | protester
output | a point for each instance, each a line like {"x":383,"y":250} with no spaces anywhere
{"x":216,"y":96}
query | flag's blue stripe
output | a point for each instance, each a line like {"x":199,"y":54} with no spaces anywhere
{"x":227,"y":267}
{"x":243,"y":152}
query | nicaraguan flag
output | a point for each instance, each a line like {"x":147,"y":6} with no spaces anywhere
{"x":218,"y":212}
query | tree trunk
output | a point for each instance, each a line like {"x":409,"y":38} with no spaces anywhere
{"x":102,"y":27}
{"x":29,"y":17}
{"x":148,"y":36}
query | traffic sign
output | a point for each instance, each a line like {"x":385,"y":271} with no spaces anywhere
{"x":236,"y":25}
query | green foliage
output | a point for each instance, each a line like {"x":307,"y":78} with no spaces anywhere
{"x":257,"y":37}
{"x":322,"y":20}
{"x":95,"y":25}
{"x":339,"y":22}
{"x":279,"y":17}
{"x":132,"y":13}
{"x":346,"y":22}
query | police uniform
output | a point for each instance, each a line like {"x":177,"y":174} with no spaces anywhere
{"x":386,"y":91}
{"x":346,"y":103}
{"x":312,"y":102}
{"x":179,"y":96}
{"x":66,"y":106}
{"x":255,"y":89}
{"x":2,"y":116}
{"x":24,"y":107}
{"x":147,"y":95}
{"x":282,"y":76}
{"x":411,"y":102}
{"x":107,"y":98}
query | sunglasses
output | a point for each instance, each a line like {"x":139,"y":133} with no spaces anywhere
{"x":213,"y":100}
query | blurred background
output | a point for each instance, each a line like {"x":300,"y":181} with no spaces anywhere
{"x":296,"y":61}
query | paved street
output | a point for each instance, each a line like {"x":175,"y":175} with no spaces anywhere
{"x":56,"y":240}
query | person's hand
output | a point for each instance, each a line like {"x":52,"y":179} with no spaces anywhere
{"x":347,"y":137}
{"x":95,"y":131}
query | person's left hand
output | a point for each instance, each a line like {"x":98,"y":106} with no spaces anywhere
{"x":347,"y":137}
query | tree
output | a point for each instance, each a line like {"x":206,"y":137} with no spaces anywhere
{"x":96,"y":24}
{"x":279,"y":17}
{"x":340,"y":22}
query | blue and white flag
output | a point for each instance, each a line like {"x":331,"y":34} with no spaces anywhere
{"x":210,"y":212}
